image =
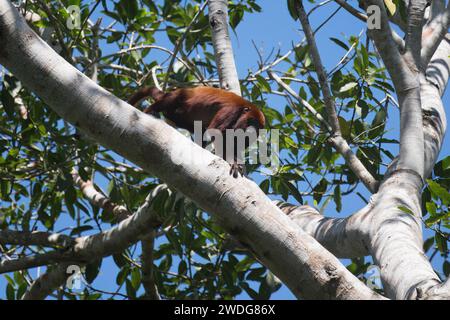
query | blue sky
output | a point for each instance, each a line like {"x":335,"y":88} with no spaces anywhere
{"x":273,"y":28}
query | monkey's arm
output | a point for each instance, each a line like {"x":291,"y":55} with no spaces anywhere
{"x":226,"y":118}
{"x":143,"y":93}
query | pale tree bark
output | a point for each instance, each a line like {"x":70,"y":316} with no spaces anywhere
{"x":148,"y":276}
{"x":282,"y":239}
{"x":98,"y":199}
{"x":240,"y":207}
{"x":218,"y":20}
{"x":44,"y":285}
{"x":392,"y":236}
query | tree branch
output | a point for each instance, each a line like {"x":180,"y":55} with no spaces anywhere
{"x":344,"y":237}
{"x":433,"y":34}
{"x":321,"y":74}
{"x":223,"y":51}
{"x":337,"y":141}
{"x":47,"y":283}
{"x":99,"y":200}
{"x":396,"y":236}
{"x":148,"y":277}
{"x":355,"y":12}
{"x":389,"y":52}
{"x":405,"y":77}
{"x":238,"y":205}
{"x":413,"y":41}
{"x":88,"y":248}
{"x":434,"y":118}
{"x":33,"y":261}
{"x":35,"y":238}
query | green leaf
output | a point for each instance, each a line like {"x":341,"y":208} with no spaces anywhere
{"x":252,"y":293}
{"x":405,"y":209}
{"x":441,"y":242}
{"x":337,"y":198}
{"x":265,"y":186}
{"x":446,"y":163}
{"x":390,"y":6}
{"x":130,"y":7}
{"x":265,"y":86}
{"x":348,"y":86}
{"x":345,"y":128}
{"x":256,"y":274}
{"x":135,"y":278}
{"x":446,"y":268}
{"x":439,"y":191}
{"x":236,"y":17}
{"x":7,"y":102}
{"x":320,"y":189}
{"x":131,"y":292}
{"x":427,"y":244}
{"x":272,"y":282}
{"x":340,"y":43}
{"x":92,"y":270}
{"x":182,"y":267}
{"x":10,"y":292}
{"x":292,"y":7}
{"x":293,"y":191}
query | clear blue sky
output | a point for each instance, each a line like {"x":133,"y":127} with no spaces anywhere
{"x":273,"y":28}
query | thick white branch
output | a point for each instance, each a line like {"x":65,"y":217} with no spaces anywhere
{"x":239,"y":206}
{"x":433,"y":34}
{"x":223,"y":51}
{"x":404,"y":73}
{"x":413,"y":41}
{"x":344,"y":237}
{"x":396,"y":237}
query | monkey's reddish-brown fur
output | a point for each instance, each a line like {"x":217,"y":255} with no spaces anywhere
{"x":216,"y":108}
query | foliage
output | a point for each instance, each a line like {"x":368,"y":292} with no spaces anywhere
{"x":194,"y":258}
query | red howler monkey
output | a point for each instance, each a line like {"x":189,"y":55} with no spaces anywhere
{"x":215,"y":108}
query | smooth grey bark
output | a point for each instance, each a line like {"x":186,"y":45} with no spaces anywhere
{"x":344,"y":237}
{"x":395,"y":236}
{"x":391,"y":235}
{"x":47,"y":283}
{"x":218,"y":20}
{"x":35,"y":238}
{"x":434,"y":117}
{"x":239,"y":206}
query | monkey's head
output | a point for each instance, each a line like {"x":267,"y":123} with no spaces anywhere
{"x":250,"y":118}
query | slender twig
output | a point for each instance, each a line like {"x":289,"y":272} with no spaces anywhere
{"x":58,"y":31}
{"x":99,"y":200}
{"x":337,"y":141}
{"x":148,"y":277}
{"x":180,"y":42}
{"x":74,"y":42}
{"x":143,"y":47}
{"x":355,"y":12}
{"x":305,"y":103}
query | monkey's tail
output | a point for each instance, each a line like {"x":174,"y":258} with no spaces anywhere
{"x":145,"y":92}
